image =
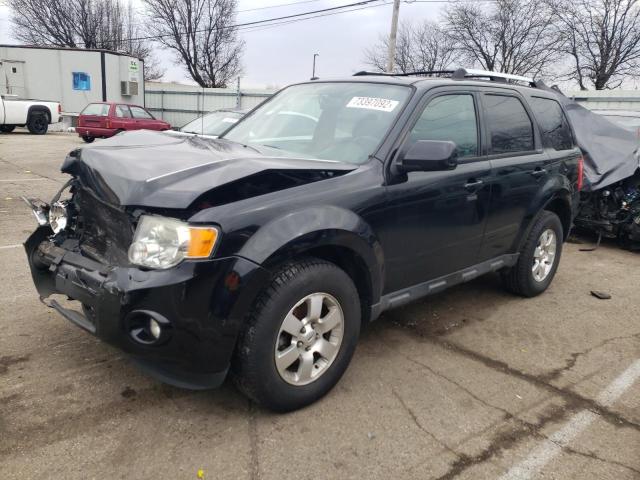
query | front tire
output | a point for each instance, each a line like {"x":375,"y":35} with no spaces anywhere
{"x":539,"y":257}
{"x":38,"y":123}
{"x":88,"y":139}
{"x":7,"y":128}
{"x":299,"y":337}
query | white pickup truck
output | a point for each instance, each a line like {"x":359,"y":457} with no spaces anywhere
{"x":35,"y":114}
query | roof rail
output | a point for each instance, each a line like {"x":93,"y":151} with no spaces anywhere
{"x":493,"y":76}
{"x":407,"y":74}
{"x":459,"y":74}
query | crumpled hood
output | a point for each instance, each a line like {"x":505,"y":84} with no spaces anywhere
{"x":159,"y":169}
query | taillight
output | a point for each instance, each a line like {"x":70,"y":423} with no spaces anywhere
{"x":59,"y":108}
{"x":108,"y":123}
{"x":580,"y":182}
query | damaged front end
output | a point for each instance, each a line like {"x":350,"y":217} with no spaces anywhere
{"x":179,"y":323}
{"x":613,"y":212}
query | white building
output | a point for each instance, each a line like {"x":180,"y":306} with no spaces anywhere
{"x":74,"y":77}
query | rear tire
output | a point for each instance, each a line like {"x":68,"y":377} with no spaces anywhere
{"x":299,"y":337}
{"x":38,"y":123}
{"x":7,"y":128}
{"x":88,"y":139}
{"x":539,"y":257}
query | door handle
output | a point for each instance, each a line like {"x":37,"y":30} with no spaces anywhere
{"x":538,"y":172}
{"x":472,"y":184}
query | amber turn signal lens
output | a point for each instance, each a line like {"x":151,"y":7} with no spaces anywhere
{"x":202,"y":241}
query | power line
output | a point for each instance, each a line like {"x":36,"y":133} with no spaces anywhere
{"x":362,"y":3}
{"x":287,"y":22}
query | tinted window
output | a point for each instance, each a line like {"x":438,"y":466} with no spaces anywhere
{"x":139,"y":112}
{"x":449,"y":117}
{"x":510,"y":126}
{"x":100,"y":109}
{"x":553,"y":124}
{"x":122,"y":111}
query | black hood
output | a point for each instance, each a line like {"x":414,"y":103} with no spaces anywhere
{"x":159,"y":169}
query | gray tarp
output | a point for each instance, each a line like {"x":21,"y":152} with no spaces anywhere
{"x":611,"y":153}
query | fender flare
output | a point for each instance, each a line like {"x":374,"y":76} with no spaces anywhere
{"x":556,"y":188}
{"x":315,"y":227}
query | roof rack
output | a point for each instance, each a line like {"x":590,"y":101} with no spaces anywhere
{"x":460,"y":74}
{"x":420,"y":73}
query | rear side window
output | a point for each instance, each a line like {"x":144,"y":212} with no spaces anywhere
{"x":554,"y":126}
{"x":449,"y":117}
{"x":99,"y":109}
{"x":509,"y":124}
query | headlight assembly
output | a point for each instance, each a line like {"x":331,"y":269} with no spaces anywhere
{"x":161,"y":242}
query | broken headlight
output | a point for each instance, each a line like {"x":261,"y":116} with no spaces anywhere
{"x":161,"y":242}
{"x":58,"y":217}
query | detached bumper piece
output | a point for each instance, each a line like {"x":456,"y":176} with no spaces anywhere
{"x":180,"y":325}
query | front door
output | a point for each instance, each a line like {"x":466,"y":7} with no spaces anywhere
{"x":440,"y":216}
{"x":143,"y":119}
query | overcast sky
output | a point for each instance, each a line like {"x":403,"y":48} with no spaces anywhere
{"x":284,"y":54}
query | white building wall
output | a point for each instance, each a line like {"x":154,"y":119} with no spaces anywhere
{"x":48,"y":75}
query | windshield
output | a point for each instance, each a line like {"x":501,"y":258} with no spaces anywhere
{"x":213,"y":123}
{"x":329,"y":121}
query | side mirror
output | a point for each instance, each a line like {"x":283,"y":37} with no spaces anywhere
{"x":429,"y":156}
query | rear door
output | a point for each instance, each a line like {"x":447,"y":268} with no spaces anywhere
{"x":518,"y":164}
{"x":440,"y":216}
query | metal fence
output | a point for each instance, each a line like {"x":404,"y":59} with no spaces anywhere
{"x":179,"y":104}
{"x":607,"y":99}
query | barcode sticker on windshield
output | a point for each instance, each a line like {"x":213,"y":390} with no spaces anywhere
{"x":230,"y":120}
{"x":372,"y":103}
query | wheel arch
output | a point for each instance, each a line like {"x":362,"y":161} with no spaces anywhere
{"x":554,"y":196}
{"x":330,"y":233}
{"x":39,"y":109}
{"x":561,"y":206}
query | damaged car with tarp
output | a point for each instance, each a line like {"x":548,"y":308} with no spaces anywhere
{"x":610,"y":199}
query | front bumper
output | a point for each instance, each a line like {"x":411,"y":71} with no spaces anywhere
{"x":204,"y":303}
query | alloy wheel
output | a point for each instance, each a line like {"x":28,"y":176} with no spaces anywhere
{"x":544,"y":255}
{"x":309,"y":339}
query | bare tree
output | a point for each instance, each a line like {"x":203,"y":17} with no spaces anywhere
{"x":602,"y":38}
{"x":510,"y":36}
{"x":103,"y":24}
{"x":420,"y":47}
{"x":201,"y":34}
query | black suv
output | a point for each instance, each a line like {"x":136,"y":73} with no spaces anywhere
{"x":261,"y":253}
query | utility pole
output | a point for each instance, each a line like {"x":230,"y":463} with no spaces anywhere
{"x":392,"y":36}
{"x":313,"y":74}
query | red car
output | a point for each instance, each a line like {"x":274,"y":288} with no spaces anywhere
{"x":105,"y":119}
